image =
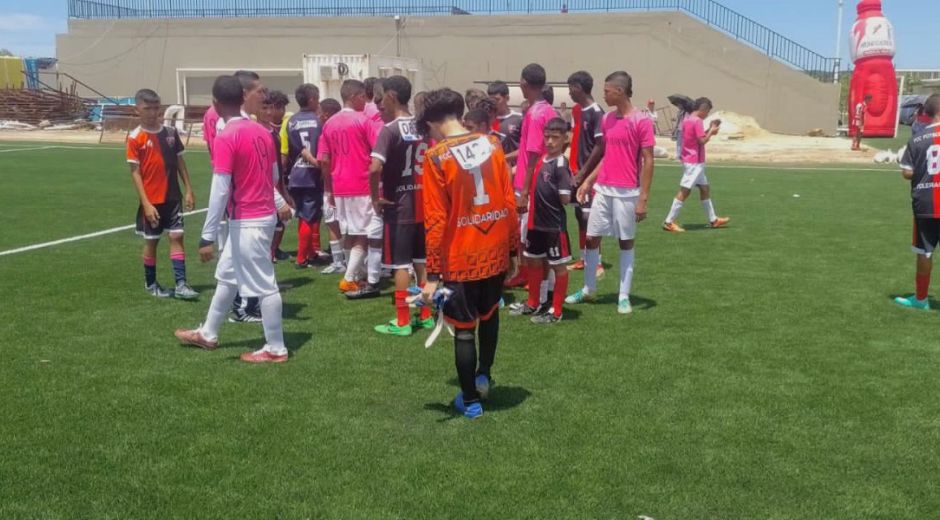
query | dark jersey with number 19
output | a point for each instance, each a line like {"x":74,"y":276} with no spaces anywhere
{"x":923,"y":158}
{"x":401,"y":150}
{"x":303,"y":131}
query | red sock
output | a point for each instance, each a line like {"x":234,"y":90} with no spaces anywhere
{"x":303,"y":240}
{"x":923,"y":286}
{"x":315,"y":238}
{"x":535,"y":274}
{"x":582,"y":238}
{"x":561,"y":289}
{"x":401,"y":308}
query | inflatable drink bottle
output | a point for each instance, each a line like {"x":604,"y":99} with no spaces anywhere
{"x":872,"y":48}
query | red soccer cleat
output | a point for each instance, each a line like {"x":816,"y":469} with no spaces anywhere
{"x":578,"y":265}
{"x":262,"y":356}
{"x":194,"y":338}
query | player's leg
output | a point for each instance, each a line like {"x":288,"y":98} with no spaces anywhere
{"x":151,"y":235}
{"x":488,"y":296}
{"x":356,"y":241}
{"x":393,"y":259}
{"x":459,"y":312}
{"x":690,"y":173}
{"x":625,"y":212}
{"x":374,"y":232}
{"x":582,"y":217}
{"x":559,"y":255}
{"x":337,"y":252}
{"x":254,"y":272}
{"x":532,"y":257}
{"x":926,"y":237}
{"x":276,"y":253}
{"x":226,"y":290}
{"x":303,"y":242}
{"x":178,"y":259}
{"x":419,"y":264}
{"x":714,"y":221}
{"x":600,"y":223}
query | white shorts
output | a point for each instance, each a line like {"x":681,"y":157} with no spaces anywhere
{"x":245,"y":260}
{"x":612,"y":217}
{"x":693,"y":175}
{"x":358,"y":216}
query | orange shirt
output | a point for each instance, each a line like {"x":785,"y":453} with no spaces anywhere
{"x":157,"y":154}
{"x":470,"y":214}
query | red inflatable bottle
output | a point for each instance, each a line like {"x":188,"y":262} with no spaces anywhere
{"x":872,"y":47}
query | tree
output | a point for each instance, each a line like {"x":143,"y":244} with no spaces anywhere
{"x":5,"y":52}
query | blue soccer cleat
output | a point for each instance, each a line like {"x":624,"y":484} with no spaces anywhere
{"x":913,"y":303}
{"x":470,"y":411}
{"x":483,"y":383}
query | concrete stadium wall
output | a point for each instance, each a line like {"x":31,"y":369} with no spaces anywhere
{"x":666,"y":53}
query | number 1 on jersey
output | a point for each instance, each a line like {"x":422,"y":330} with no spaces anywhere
{"x":480,"y":197}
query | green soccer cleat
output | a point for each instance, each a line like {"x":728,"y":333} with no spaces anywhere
{"x":624,"y":307}
{"x":418,"y":323}
{"x":579,"y":297}
{"x":392,"y":329}
{"x":913,"y":303}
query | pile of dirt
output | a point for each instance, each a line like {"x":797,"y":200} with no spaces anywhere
{"x":735,"y":126}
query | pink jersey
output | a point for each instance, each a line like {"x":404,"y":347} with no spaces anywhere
{"x":693,"y":129}
{"x":245,"y":150}
{"x":348,"y":138}
{"x":372,"y":112}
{"x":624,"y":137}
{"x":209,"y":122}
{"x":532,"y":139}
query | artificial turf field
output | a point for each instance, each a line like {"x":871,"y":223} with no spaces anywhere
{"x":765,"y":373}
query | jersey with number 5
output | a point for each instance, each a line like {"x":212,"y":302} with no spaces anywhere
{"x":303,"y":132}
{"x":401,"y":149}
{"x":923,"y":158}
{"x":470,"y":214}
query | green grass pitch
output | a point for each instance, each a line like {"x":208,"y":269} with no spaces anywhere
{"x":765,"y":373}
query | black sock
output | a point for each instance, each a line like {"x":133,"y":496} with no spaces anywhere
{"x":179,"y":270}
{"x":465,"y":358}
{"x":237,"y":304}
{"x":489,"y":336}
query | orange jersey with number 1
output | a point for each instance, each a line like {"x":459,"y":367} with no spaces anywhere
{"x":469,"y":209}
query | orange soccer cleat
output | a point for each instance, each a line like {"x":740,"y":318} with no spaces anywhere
{"x":347,"y":286}
{"x":262,"y":356}
{"x":719,"y":222}
{"x":673,"y":227}
{"x":577,"y":265}
{"x":194,"y":338}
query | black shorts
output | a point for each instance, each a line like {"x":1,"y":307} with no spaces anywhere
{"x":551,"y":245}
{"x":404,"y":245}
{"x":171,"y":220}
{"x":473,"y":301}
{"x":308,"y":203}
{"x":926,"y":235}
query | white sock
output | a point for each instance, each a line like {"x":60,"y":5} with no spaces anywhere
{"x":355,"y":262}
{"x":336,"y":249}
{"x":547,"y":285}
{"x":271,"y":320}
{"x":674,"y":211}
{"x":626,"y":273}
{"x":347,"y":255}
{"x":709,"y":210}
{"x":218,"y":310}
{"x":374,"y":265}
{"x":592,"y":258}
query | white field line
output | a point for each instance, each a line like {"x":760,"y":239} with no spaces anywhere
{"x":83,"y":237}
{"x":72,"y":147}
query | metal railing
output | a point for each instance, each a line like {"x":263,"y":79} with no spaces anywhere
{"x":710,"y":12}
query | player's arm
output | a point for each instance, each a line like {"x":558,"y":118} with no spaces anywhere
{"x":502,"y":172}
{"x":188,"y":197}
{"x":705,"y":137}
{"x":150,"y":212}
{"x":380,"y":150}
{"x":218,"y":199}
{"x":308,"y":156}
{"x":646,"y":182}
{"x":533,"y":159}
{"x":907,"y":162}
{"x":436,"y":210}
{"x":563,"y":178}
{"x":326,"y":168}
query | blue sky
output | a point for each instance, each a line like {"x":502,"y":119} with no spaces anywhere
{"x":29,"y":27}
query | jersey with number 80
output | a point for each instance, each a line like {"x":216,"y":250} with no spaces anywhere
{"x":401,"y":150}
{"x":470,"y":210}
{"x":922,"y":157}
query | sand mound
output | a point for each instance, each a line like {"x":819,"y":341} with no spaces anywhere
{"x":736,"y":126}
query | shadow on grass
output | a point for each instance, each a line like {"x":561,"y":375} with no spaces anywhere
{"x":292,"y":310}
{"x":294,"y":341}
{"x":501,"y":398}
{"x":294,"y":283}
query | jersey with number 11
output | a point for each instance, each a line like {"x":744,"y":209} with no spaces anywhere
{"x":469,"y":209}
